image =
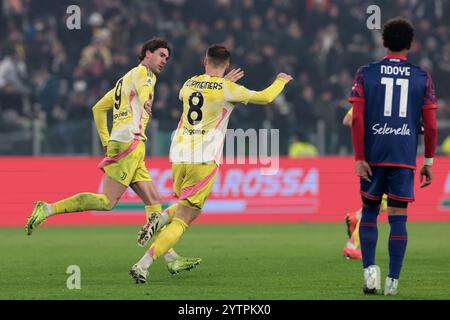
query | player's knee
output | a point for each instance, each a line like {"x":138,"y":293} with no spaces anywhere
{"x":156,"y":198}
{"x":369,"y":203}
{"x":107,"y":204}
{"x":192,"y":204}
{"x":392,"y":203}
{"x":188,"y":212}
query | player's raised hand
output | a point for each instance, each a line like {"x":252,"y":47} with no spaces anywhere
{"x":363,"y":170}
{"x":428,"y":174}
{"x":235,"y":75}
{"x":286,"y":77}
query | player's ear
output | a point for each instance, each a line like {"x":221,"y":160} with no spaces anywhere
{"x":205,"y":61}
{"x":148,"y":54}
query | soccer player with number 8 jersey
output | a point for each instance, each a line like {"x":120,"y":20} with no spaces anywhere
{"x":197,"y":144}
{"x":389,"y":98}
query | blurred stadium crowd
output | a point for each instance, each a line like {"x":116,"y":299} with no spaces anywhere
{"x":54,"y":75}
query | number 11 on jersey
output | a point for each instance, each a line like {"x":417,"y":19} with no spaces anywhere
{"x":404,"y":85}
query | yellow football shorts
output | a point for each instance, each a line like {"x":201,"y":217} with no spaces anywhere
{"x":192,"y":182}
{"x":129,"y":169}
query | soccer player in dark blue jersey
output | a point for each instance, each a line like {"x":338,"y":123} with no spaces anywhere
{"x":389,"y":98}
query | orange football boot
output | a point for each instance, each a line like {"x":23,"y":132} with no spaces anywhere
{"x":350,"y":253}
{"x":351,"y":221}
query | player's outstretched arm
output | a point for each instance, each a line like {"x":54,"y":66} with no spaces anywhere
{"x":269,"y":94}
{"x":100,"y":111}
{"x":235,"y":93}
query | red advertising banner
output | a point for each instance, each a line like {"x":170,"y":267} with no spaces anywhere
{"x":303,"y":190}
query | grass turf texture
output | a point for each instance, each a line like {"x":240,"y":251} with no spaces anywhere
{"x":239,"y":262}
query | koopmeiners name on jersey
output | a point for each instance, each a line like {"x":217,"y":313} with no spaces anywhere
{"x":386,"y":130}
{"x":204,"y":85}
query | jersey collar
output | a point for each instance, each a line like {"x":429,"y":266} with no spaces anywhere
{"x":395,"y":56}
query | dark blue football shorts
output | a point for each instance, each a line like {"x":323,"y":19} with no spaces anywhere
{"x":396,"y":182}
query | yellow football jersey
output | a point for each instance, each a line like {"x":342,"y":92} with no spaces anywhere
{"x":127,"y":100}
{"x":207,"y":105}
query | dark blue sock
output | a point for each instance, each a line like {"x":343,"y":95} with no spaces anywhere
{"x":398,"y":239}
{"x":368,"y":235}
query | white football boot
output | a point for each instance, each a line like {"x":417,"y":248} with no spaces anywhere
{"x":391,"y":287}
{"x":372,"y":279}
{"x":153,"y":225}
{"x":138,"y":273}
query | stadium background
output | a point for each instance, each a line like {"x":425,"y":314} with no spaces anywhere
{"x":51,"y":76}
{"x":254,"y":237}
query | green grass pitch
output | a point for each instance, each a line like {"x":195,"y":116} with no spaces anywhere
{"x":239,"y":262}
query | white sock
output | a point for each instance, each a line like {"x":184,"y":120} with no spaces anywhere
{"x":146,"y":261}
{"x":164,"y":218}
{"x":170,"y":255}
{"x":49,"y":210}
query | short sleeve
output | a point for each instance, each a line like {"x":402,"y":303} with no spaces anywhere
{"x":429,"y":100}
{"x":143,"y":78}
{"x":357,"y":93}
{"x":235,"y":93}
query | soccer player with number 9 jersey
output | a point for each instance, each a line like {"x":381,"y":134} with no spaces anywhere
{"x":124,"y":165}
{"x":389,"y":98}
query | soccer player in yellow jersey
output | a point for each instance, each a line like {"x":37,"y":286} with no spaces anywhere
{"x":352,"y":249}
{"x":131,"y":100}
{"x":197,"y":144}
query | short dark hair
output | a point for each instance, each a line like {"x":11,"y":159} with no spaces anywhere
{"x":152,"y":45}
{"x":218,"y":55}
{"x":398,"y":34}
